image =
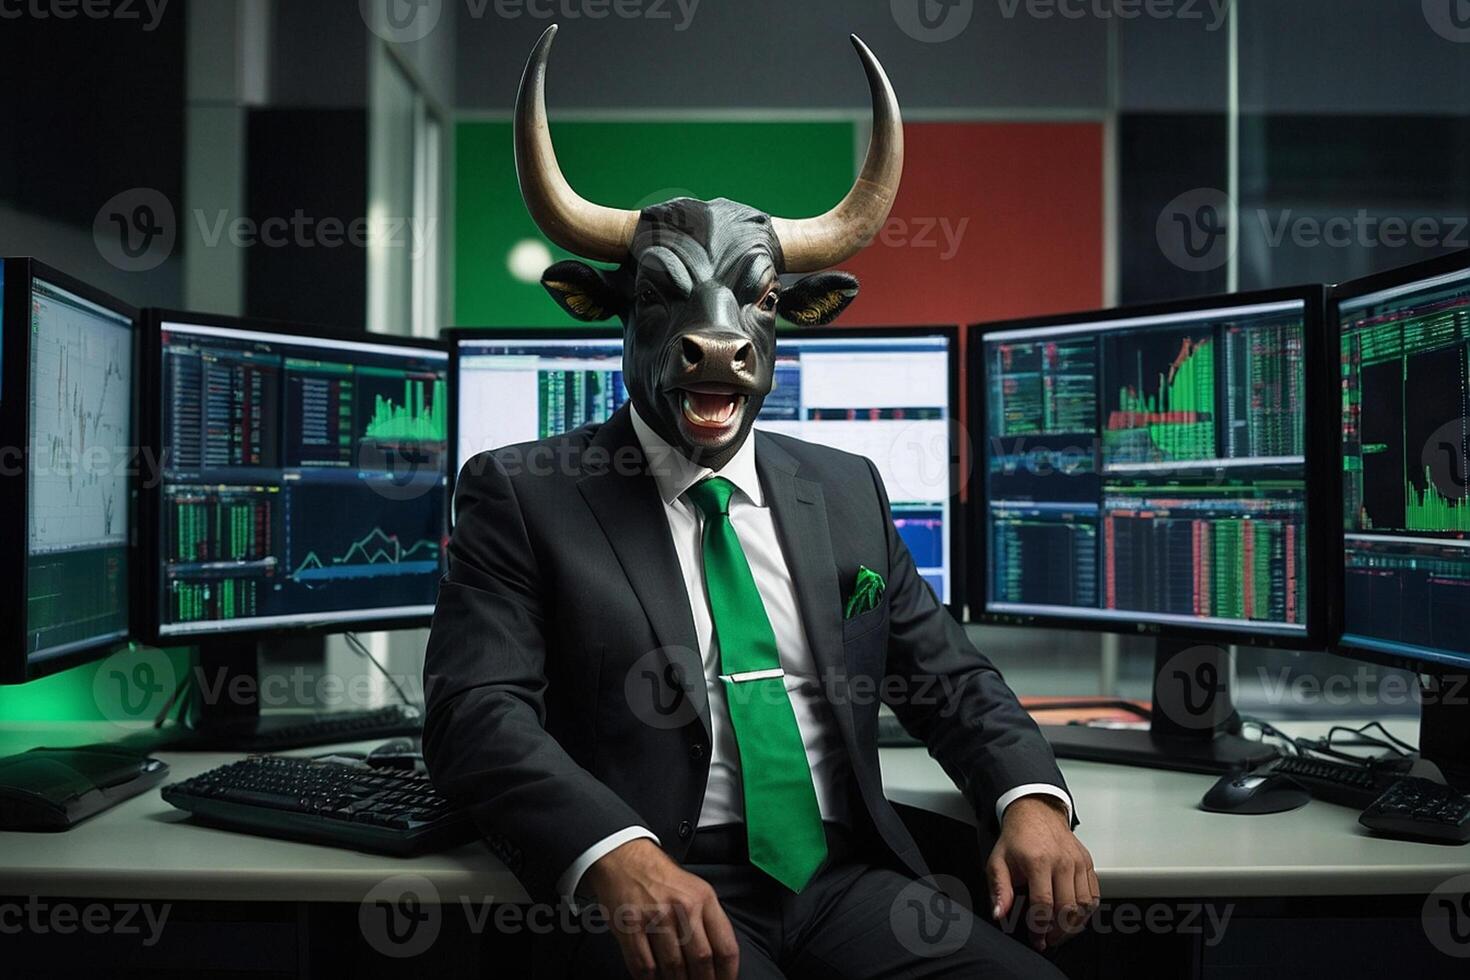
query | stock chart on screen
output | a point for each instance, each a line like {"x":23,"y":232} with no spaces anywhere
{"x":304,"y":479}
{"x":1148,"y":468}
{"x":80,"y":450}
{"x":1405,"y":358}
{"x":884,"y":395}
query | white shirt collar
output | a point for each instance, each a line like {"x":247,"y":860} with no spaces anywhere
{"x":674,"y":472}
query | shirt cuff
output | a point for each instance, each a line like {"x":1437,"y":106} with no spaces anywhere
{"x":567,"y":884}
{"x":1032,"y":789}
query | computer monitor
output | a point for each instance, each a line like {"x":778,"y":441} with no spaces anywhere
{"x":1404,"y":542}
{"x":303,"y":481}
{"x":68,"y":363}
{"x":888,"y":394}
{"x":1405,"y":355}
{"x":1154,"y":470}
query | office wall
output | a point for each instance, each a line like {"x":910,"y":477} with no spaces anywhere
{"x":776,"y":54}
{"x":786,"y":167}
{"x":993,"y":219}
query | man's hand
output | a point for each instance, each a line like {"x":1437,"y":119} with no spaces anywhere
{"x":668,"y":922}
{"x":1039,"y":856}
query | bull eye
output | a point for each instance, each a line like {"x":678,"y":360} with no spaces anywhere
{"x":647,"y":295}
{"x":770,"y":300}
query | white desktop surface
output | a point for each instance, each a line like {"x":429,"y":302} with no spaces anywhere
{"x":1143,"y":827}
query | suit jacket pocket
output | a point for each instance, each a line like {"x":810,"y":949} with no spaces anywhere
{"x":865,"y":623}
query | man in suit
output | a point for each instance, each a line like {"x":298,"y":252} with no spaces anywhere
{"x":641,"y":675}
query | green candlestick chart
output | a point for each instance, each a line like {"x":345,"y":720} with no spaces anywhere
{"x":1177,"y":421}
{"x":414,"y":419}
{"x":1430,"y":510}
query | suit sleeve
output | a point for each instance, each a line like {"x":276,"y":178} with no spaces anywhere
{"x":485,"y":681}
{"x":952,"y":697}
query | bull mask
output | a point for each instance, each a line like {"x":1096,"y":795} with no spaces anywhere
{"x":697,"y":284}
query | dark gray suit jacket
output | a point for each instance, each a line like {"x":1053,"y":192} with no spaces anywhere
{"x":565,"y":690}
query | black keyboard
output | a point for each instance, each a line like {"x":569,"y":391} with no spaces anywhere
{"x":324,"y":802}
{"x":269,"y":733}
{"x":1343,"y":783}
{"x":1419,"y":809}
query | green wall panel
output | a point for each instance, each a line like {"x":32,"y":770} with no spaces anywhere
{"x":792,"y":169}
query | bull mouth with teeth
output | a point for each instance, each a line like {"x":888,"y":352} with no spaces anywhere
{"x":712,"y":412}
{"x":699,"y":285}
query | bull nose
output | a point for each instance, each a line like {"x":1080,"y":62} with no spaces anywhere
{"x":702,"y":351}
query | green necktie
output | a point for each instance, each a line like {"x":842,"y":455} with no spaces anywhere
{"x":783,"y":824}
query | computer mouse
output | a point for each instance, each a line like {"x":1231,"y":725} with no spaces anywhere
{"x":1255,"y":792}
{"x":399,"y":753}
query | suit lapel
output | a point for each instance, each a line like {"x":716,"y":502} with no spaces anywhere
{"x":806,"y":543}
{"x":631,"y":513}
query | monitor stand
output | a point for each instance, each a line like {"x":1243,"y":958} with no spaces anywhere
{"x":222,"y":709}
{"x":1444,"y":727}
{"x":1193,"y":724}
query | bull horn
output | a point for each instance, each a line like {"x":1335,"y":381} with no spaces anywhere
{"x":809,"y":244}
{"x":571,"y":221}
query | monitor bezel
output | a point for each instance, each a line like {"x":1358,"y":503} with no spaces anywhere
{"x":959,"y":517}
{"x":20,"y":273}
{"x":149,"y":609}
{"x":1319,"y":459}
{"x":1342,"y":643}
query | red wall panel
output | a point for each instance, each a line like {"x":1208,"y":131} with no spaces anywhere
{"x":993,"y":220}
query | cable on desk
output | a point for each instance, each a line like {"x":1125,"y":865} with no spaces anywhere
{"x":363,"y":651}
{"x":1328,"y":745}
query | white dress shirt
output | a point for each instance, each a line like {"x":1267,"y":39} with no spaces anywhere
{"x":755,"y":525}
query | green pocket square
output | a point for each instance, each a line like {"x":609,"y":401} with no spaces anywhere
{"x":866,"y":592}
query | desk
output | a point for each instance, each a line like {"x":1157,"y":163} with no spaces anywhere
{"x":1149,"y":838}
{"x":1146,"y":834}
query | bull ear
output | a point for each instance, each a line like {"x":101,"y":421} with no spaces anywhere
{"x":582,"y":291}
{"x":817,"y":299}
